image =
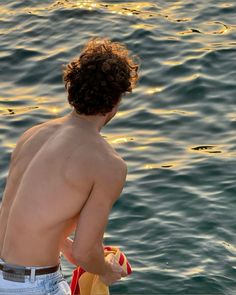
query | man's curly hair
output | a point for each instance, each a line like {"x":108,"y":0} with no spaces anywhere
{"x":96,"y":80}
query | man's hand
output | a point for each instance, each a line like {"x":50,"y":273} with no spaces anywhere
{"x":114,"y":271}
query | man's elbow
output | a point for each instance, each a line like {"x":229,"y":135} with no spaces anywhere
{"x":81,"y":261}
{"x":81,"y":257}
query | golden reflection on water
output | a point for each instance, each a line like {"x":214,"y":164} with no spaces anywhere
{"x":193,"y":271}
{"x":208,"y":28}
{"x":2,"y":109}
{"x":128,"y":8}
{"x":142,"y":9}
{"x":16,"y":110}
{"x":54,"y":110}
{"x":171,"y":11}
{"x":166,"y":165}
{"x":228,"y":246}
{"x":9,"y":145}
{"x":188,"y":78}
{"x":171,"y":62}
{"x":154,"y":90}
{"x":175,"y":111}
{"x":231,"y":116}
{"x":225,"y":5}
{"x":142,"y":148}
{"x":218,"y":150}
{"x":143,"y":26}
{"x":119,"y":140}
{"x":209,"y":149}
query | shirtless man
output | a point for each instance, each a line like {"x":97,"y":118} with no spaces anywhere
{"x":65,"y":177}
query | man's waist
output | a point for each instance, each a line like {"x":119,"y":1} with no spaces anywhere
{"x":27,"y":270}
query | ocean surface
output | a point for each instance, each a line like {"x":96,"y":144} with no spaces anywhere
{"x":176,"y":218}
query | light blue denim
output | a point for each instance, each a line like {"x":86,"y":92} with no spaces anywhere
{"x":48,"y":284}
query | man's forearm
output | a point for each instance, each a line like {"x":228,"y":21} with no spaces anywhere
{"x":93,"y":263}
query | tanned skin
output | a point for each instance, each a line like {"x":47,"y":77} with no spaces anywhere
{"x":63,"y":177}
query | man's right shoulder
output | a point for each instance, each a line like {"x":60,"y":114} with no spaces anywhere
{"x":112,"y":164}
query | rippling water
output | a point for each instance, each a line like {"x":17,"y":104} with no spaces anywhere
{"x":176,"y":218}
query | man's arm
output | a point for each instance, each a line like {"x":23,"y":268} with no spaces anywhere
{"x":87,"y":248}
{"x":66,"y":250}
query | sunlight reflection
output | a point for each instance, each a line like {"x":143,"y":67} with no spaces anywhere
{"x":231,"y":116}
{"x":10,"y":145}
{"x":54,"y":110}
{"x":171,"y":11}
{"x":225,"y":5}
{"x":193,"y":271}
{"x":122,"y":114}
{"x":143,"y":26}
{"x":176,"y":111}
{"x":228,"y":246}
{"x":119,"y":140}
{"x":141,"y":9}
{"x":208,"y":28}
{"x":188,"y":78}
{"x":154,"y":90}
{"x":209,"y":149}
{"x":172,"y":164}
{"x":141,"y":148}
{"x":16,"y":110}
{"x":171,"y":62}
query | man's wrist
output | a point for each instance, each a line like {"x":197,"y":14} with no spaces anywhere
{"x":107,"y":268}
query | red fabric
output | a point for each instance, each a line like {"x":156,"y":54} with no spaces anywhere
{"x":121,"y":260}
{"x":75,"y":278}
{"x":108,"y":248}
{"x":128,"y":268}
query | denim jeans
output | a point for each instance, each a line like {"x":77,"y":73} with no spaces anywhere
{"x":47,"y":284}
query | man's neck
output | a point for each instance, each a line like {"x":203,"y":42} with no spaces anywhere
{"x":95,"y":122}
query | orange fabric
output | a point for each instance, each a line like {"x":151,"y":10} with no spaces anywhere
{"x":85,"y":283}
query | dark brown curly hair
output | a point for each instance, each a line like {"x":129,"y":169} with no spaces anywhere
{"x":96,"y":80}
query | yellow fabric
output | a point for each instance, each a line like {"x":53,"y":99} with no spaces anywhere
{"x":90,"y":284}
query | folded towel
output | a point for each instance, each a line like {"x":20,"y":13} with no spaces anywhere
{"x":85,"y":283}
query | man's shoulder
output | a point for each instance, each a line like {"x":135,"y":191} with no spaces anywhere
{"x":23,"y":138}
{"x":102,"y":158}
{"x":113,"y":164}
{"x":95,"y":162}
{"x":107,"y":156}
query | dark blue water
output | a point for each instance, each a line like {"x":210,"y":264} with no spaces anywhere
{"x":177,"y":131}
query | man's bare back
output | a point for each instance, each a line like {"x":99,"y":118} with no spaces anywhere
{"x":53,"y":171}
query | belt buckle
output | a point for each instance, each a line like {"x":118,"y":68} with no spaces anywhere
{"x":14,"y":273}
